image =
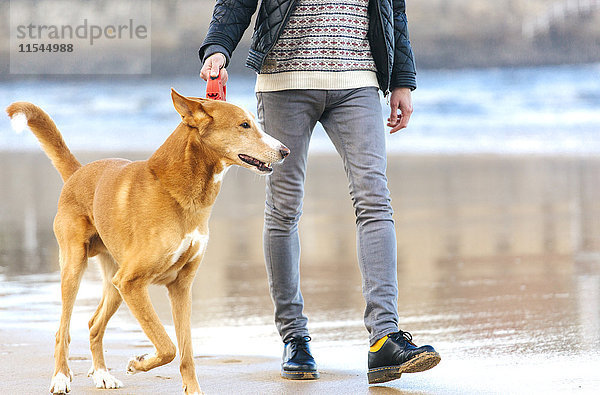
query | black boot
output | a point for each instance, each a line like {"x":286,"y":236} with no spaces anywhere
{"x":298,"y":362}
{"x":399,"y":355}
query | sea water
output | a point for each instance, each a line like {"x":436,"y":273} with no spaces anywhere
{"x":541,"y":110}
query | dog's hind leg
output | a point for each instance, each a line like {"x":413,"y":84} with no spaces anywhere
{"x":133,"y":287}
{"x":111,"y":300}
{"x":181,"y":305}
{"x":73,"y":260}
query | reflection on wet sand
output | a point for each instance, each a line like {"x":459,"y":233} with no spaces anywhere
{"x":497,"y":256}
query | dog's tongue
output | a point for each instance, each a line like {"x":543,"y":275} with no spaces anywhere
{"x":260,"y":165}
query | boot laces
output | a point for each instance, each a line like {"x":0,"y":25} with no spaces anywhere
{"x":406,"y":336}
{"x":300,"y":343}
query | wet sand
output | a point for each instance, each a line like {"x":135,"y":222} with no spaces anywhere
{"x":499,"y":269}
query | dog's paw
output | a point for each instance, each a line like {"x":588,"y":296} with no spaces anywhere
{"x":103,"y":379}
{"x":132,"y":366}
{"x":61,"y":384}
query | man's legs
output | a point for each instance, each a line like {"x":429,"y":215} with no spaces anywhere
{"x":354,"y":123}
{"x":290,"y":117}
{"x":353,"y":120}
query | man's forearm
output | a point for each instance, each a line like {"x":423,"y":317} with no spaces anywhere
{"x":404,"y":69}
{"x":230,"y":20}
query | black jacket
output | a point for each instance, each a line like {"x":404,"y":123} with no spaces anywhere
{"x":388,"y":35}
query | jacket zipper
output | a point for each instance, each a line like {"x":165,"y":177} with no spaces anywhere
{"x":386,"y":93}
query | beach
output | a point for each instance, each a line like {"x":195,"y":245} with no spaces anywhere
{"x":498,"y":266}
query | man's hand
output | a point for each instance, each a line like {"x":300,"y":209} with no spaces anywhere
{"x":401,"y":109}
{"x":214,"y":64}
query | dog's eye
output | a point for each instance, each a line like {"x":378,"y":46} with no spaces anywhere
{"x":245,"y":125}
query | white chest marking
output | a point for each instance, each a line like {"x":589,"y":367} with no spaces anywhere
{"x":190,"y":240}
{"x":219,"y":176}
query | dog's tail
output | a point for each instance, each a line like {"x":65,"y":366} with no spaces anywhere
{"x":23,"y":114}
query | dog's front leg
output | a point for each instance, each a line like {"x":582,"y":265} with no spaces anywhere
{"x":181,"y":306}
{"x":134,"y":290}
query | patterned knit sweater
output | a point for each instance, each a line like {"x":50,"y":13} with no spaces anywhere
{"x":323,"y":46}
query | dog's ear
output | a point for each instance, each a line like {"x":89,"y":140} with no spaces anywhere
{"x":189,"y":109}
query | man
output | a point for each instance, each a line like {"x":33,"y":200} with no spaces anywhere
{"x":324,"y":62}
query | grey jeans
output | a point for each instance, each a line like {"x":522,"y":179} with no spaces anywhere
{"x":353,"y":121}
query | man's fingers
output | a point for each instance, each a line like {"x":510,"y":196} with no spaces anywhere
{"x":396,"y":125}
{"x":401,"y":109}
{"x":402,"y":119}
{"x":406,"y":113}
{"x":393,"y":119}
{"x":400,"y":122}
{"x":214,"y":69}
{"x":224,"y":76}
{"x":204,"y":73}
{"x":212,"y":66}
{"x":396,"y":128}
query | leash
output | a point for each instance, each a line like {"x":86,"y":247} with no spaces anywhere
{"x":215,"y":89}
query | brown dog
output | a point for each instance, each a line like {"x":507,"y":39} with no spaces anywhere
{"x":146,"y":222}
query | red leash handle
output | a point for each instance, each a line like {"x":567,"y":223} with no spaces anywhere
{"x":215,"y":89}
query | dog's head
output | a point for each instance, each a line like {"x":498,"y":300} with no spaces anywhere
{"x":231,"y":132}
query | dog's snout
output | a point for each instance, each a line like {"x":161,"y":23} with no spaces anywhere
{"x":284,"y":151}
